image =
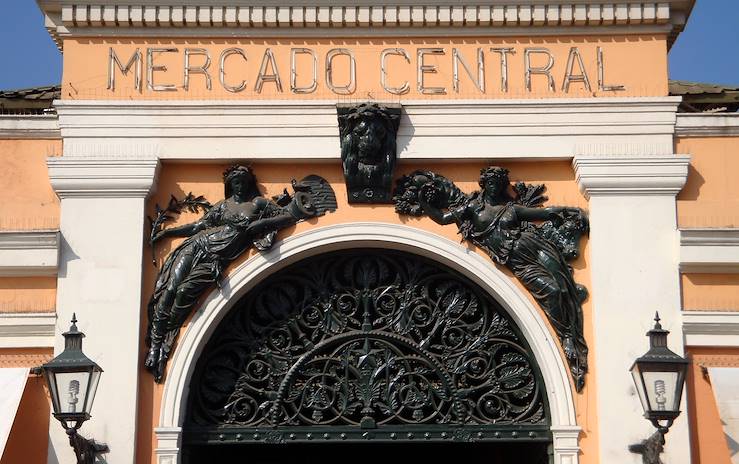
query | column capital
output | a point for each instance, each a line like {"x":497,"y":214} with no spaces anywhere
{"x":102,"y":177}
{"x":612,"y":175}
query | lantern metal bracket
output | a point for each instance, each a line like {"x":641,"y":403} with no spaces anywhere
{"x":85,"y":449}
{"x":651,"y":448}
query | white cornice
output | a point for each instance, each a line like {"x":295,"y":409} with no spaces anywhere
{"x":284,"y":130}
{"x":631,"y":175}
{"x":29,"y":253}
{"x":99,"y":177}
{"x":27,"y":330}
{"x":332,"y":18}
{"x":707,"y":125}
{"x":711,"y":328}
{"x":24,"y":126}
{"x":709,"y":250}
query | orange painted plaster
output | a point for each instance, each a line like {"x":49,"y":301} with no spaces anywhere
{"x":708,"y":445}
{"x":710,"y":197}
{"x":637,"y":62}
{"x":33,"y":205}
{"x":710,"y":292}
{"x":28,"y":440}
{"x":27,"y":294}
{"x":179,"y":179}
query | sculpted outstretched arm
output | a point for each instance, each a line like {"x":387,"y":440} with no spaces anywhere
{"x":185,"y":230}
{"x":440,"y":216}
{"x":541,"y":214}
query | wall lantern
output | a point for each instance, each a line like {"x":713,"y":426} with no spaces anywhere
{"x":72,"y":379}
{"x":659,"y":376}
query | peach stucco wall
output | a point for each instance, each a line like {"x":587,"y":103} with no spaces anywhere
{"x":27,"y":294}
{"x":33,"y":205}
{"x":637,"y":62}
{"x":710,"y":197}
{"x":179,"y":179}
{"x":710,"y":292}
{"x":707,"y":436}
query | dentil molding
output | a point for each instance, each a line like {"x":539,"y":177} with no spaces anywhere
{"x":631,"y":175}
{"x":327,"y":18}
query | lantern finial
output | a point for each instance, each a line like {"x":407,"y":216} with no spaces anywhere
{"x":657,"y":325}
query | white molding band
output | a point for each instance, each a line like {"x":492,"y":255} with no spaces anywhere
{"x":32,"y":253}
{"x":100,"y":177}
{"x":631,"y":175}
{"x":711,"y":328}
{"x":29,"y":126}
{"x":27,"y":330}
{"x":709,"y":250}
{"x":329,"y":18}
{"x":707,"y":125}
{"x":559,"y":391}
{"x":553,"y":128}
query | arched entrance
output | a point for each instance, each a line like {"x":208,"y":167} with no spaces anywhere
{"x":391,"y":380}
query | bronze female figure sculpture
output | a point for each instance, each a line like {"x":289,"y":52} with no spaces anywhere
{"x":503,"y":225}
{"x":230,"y":227}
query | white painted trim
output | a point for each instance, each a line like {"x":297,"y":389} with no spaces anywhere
{"x":29,"y":126}
{"x":321,"y":240}
{"x":32,"y":253}
{"x":707,"y":125}
{"x":554,"y":128}
{"x":711,"y":328}
{"x":600,"y":174}
{"x":709,"y":250}
{"x":100,"y":177}
{"x":27,"y":330}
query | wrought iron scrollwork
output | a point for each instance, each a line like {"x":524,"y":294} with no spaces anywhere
{"x":366,"y":339}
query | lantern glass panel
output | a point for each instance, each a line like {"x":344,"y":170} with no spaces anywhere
{"x":53,"y":389}
{"x":72,"y":388}
{"x":640,"y":387}
{"x":92,"y":388}
{"x":660,"y":390}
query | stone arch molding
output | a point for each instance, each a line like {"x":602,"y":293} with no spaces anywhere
{"x":565,"y":431}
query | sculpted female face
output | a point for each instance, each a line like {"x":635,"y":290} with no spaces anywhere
{"x":494,"y":185}
{"x":241,"y":184}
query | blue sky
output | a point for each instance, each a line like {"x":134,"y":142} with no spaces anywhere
{"x":707,"y":51}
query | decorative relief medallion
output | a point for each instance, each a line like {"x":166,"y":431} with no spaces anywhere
{"x":368,"y":339}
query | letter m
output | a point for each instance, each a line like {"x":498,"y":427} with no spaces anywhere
{"x":134,"y":61}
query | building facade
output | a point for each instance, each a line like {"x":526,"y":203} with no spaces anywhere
{"x":341,"y":314}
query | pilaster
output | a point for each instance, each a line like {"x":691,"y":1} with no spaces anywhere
{"x":634,"y":254}
{"x":102,"y":232}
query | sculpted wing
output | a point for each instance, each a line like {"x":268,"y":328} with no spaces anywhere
{"x":320,"y":195}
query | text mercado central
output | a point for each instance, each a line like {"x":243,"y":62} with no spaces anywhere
{"x":396,"y":69}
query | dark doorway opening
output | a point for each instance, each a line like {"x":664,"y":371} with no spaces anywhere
{"x":369,"y":453}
